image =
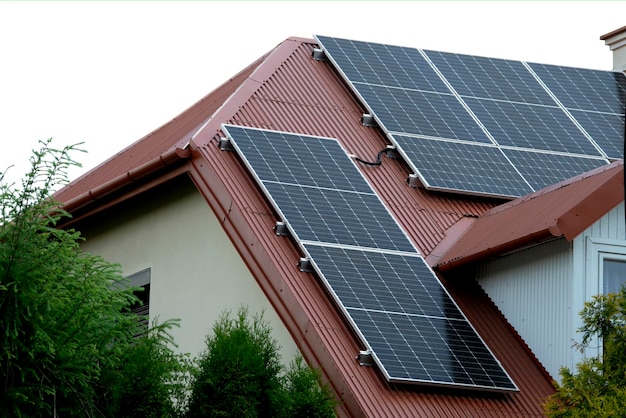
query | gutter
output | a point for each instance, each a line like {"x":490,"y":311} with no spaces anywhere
{"x":168,"y":158}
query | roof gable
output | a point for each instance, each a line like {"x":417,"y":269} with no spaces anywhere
{"x":564,"y":209}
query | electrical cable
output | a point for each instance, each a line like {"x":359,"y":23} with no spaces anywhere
{"x":379,"y":158}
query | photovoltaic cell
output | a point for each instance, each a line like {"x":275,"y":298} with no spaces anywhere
{"x":606,"y":129}
{"x":580,"y":88}
{"x":469,"y":168}
{"x":382,"y":284}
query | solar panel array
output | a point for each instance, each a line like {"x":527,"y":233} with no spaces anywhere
{"x":452,"y":114}
{"x":385,"y":289}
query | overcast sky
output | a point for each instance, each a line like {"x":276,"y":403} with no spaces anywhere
{"x":108,"y":73}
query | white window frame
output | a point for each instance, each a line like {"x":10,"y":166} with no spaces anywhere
{"x":598,"y":250}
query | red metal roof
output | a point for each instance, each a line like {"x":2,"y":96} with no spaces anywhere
{"x":287,"y":90}
{"x":564,"y":209}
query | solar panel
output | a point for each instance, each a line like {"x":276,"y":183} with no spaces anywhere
{"x":531,"y":126}
{"x":465,"y":167}
{"x":490,"y":78}
{"x":285,"y":158}
{"x":542,"y":170}
{"x":434,"y":350}
{"x":510,"y":104}
{"x":371,"y":280}
{"x":421,"y":113}
{"x":580,"y":88}
{"x":385,"y":65}
{"x":338,"y":217}
{"x":365,"y":260}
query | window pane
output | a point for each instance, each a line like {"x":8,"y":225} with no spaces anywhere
{"x":614,"y":275}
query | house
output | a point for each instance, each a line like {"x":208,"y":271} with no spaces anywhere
{"x":194,"y":211}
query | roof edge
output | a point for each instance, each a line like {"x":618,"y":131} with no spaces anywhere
{"x":507,"y":247}
{"x":613,"y":33}
{"x":165,"y":160}
{"x":569,"y":223}
{"x":205,"y":134}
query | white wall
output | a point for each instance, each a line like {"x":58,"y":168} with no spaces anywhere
{"x":533,"y":289}
{"x":195,"y":271}
{"x":605,"y":238}
{"x":542,"y":290}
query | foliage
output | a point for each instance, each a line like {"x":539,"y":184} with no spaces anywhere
{"x":304,"y":396}
{"x":65,"y":323}
{"x":149,"y":380}
{"x":240,"y":374}
{"x":598,"y":388}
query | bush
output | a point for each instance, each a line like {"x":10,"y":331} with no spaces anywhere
{"x":240,"y":374}
{"x":598,"y":388}
{"x":65,"y":321}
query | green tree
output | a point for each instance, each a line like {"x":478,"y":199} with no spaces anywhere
{"x":598,"y":388}
{"x":65,"y":322}
{"x":240,"y":374}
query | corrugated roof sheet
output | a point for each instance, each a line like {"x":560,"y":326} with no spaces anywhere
{"x":566,"y":208}
{"x":287,"y":90}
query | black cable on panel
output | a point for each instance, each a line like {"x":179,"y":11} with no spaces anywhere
{"x":379,"y":157}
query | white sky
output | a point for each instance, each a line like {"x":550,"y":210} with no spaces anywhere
{"x":108,"y":73}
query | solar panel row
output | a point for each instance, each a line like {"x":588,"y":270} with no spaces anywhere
{"x":575,"y":117}
{"x":384,"y":287}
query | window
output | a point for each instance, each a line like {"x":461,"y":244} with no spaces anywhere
{"x":142,"y":308}
{"x":613,"y":274}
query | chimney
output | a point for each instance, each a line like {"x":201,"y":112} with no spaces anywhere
{"x":616,"y":40}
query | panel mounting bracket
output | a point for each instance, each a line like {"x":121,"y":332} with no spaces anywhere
{"x":365,"y":358}
{"x":281,"y":229}
{"x":318,"y":54}
{"x":414,"y":181}
{"x":226,"y":145}
{"x":305,"y":265}
{"x":368,"y":120}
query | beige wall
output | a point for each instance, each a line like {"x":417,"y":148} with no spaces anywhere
{"x":195,"y":271}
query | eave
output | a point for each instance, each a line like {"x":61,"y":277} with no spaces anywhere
{"x":565,"y":209}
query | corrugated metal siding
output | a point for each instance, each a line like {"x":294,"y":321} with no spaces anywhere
{"x":610,"y":226}
{"x":533,"y":289}
{"x":605,"y":237}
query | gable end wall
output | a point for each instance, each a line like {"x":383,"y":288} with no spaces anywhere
{"x":533,"y":289}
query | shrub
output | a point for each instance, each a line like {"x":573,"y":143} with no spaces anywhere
{"x":240,"y":374}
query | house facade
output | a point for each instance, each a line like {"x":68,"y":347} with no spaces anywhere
{"x":182,"y":212}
